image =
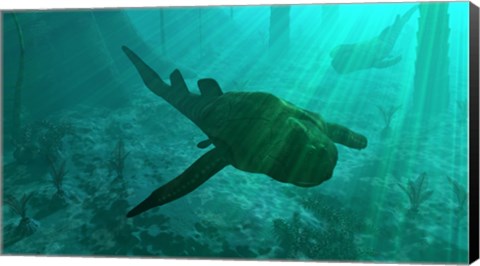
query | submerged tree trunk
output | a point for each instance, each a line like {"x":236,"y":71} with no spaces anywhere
{"x":162,"y":31}
{"x":17,"y":98}
{"x":200,"y":30}
{"x":279,"y":39}
{"x":431,"y":84}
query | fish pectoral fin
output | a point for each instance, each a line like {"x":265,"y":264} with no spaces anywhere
{"x":195,"y":175}
{"x":342,"y":135}
{"x":204,"y":143}
{"x":387,"y":62}
{"x":209,"y":87}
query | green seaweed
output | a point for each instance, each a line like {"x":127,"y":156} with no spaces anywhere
{"x":41,"y":141}
{"x":27,"y":226}
{"x":117,"y":162}
{"x":58,"y":175}
{"x":461,"y":195}
{"x":387,"y":115}
{"x":417,"y":192}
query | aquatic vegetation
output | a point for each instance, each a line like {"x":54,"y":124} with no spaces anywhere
{"x":58,"y":175}
{"x":51,"y":136}
{"x":117,"y":162}
{"x":41,"y":141}
{"x":417,"y":191}
{"x":460,"y":210}
{"x":25,"y":149}
{"x":27,"y":225}
{"x":462,"y":105}
{"x":461,"y":195}
{"x":463,"y":110}
{"x":387,"y":114}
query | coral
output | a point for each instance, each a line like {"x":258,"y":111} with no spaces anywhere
{"x":27,"y":225}
{"x":336,"y":238}
{"x":333,"y":237}
{"x":417,"y":192}
{"x":117,"y":162}
{"x":292,"y":235}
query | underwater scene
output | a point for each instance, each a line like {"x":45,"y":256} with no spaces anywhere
{"x":328,"y":132}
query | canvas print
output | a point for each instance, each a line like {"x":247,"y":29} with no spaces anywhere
{"x":327,"y":132}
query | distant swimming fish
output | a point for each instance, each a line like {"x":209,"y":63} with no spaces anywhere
{"x":374,"y":53}
{"x":253,"y":131}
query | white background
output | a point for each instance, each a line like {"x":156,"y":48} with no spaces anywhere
{"x":48,"y":4}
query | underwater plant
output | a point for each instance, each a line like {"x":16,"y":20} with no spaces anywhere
{"x":50,"y":140}
{"x":462,"y":105}
{"x":27,"y":225}
{"x":25,"y":150}
{"x":387,"y":114}
{"x":463,"y":110}
{"x":41,"y":140}
{"x":417,"y":192}
{"x":459,"y":210}
{"x":58,"y":175}
{"x":117,"y":162}
{"x":460,"y":195}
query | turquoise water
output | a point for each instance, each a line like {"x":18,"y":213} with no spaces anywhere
{"x":86,"y":117}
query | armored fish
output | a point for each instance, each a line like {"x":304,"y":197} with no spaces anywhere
{"x":374,"y":53}
{"x":255,"y":132}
